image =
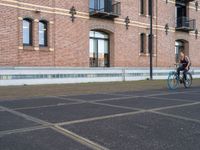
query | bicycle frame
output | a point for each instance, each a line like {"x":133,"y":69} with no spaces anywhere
{"x":174,"y":80}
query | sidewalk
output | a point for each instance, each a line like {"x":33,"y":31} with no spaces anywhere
{"x":17,"y":92}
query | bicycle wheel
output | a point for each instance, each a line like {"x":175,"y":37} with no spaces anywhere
{"x":188,"y":80}
{"x":173,"y":81}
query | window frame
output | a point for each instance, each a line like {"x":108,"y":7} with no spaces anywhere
{"x":149,"y":36}
{"x":94,"y":36}
{"x":45,"y":23}
{"x":142,"y":43}
{"x":149,"y":11}
{"x":30,"y":21}
{"x":142,"y":7}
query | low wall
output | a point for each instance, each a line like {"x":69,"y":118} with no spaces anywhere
{"x":52,"y":75}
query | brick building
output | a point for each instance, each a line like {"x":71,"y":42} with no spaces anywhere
{"x":97,"y":33}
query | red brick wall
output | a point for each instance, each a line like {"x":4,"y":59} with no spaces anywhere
{"x":8,"y":36}
{"x":68,"y":42}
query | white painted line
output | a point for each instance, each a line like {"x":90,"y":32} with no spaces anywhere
{"x":116,"y":106}
{"x":176,"y":116}
{"x":27,"y":117}
{"x":101,"y":118}
{"x":175,"y":106}
{"x":48,"y":106}
{"x":172,"y":99}
{"x":22,"y":130}
{"x":79,"y":138}
{"x":69,"y":134}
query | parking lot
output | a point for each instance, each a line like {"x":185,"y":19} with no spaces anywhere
{"x":128,"y":120}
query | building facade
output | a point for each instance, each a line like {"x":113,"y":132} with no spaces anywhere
{"x":97,"y":33}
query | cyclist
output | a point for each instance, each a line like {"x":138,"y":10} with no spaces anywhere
{"x":185,"y":64}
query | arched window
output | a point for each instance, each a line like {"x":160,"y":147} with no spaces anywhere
{"x":99,"y":49}
{"x":27,"y":32}
{"x":142,"y":7}
{"x":43,"y":33}
{"x":142,"y":43}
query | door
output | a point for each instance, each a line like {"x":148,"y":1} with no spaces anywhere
{"x":108,"y":6}
{"x":179,"y":45}
{"x":181,"y":14}
{"x":99,"y":49}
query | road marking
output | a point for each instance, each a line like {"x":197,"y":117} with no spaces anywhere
{"x":78,"y":138}
{"x":116,"y":106}
{"x":27,"y":117}
{"x":81,"y":139}
{"x":21,"y":130}
{"x":67,"y":133}
{"x":107,"y":99}
{"x":176,"y":116}
{"x":196,"y":93}
{"x":172,"y":99}
{"x":48,"y":106}
{"x":26,"y":98}
{"x":72,"y":99}
{"x":101,"y":118}
{"x":154,"y":94}
{"x":175,"y":106}
{"x":125,"y":97}
{"x":132,"y":114}
{"x":111,"y":116}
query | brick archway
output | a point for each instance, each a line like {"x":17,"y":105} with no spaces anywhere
{"x":104,"y":28}
{"x":181,"y":45}
{"x":110,"y":31}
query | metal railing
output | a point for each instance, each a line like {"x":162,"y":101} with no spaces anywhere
{"x":185,"y":23}
{"x":61,"y":75}
{"x":111,"y":7}
{"x":183,"y":1}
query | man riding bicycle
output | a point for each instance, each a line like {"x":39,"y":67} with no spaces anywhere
{"x":185,"y":64}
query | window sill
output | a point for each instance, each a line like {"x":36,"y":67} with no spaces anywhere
{"x":28,"y":48}
{"x":45,"y":49}
{"x":148,"y":16}
{"x":147,"y":54}
{"x":142,"y":15}
{"x":32,"y":48}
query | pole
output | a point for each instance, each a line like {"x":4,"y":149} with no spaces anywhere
{"x":151,"y":39}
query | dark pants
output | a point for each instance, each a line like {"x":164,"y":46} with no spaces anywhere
{"x":182,"y":68}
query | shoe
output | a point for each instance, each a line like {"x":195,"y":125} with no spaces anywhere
{"x":181,"y":81}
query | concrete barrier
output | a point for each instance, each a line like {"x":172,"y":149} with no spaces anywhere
{"x":60,"y":75}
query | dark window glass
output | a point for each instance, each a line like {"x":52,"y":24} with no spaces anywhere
{"x":142,"y":42}
{"x":27,"y":32}
{"x":149,"y":40}
{"x":151,"y":4}
{"x":101,"y":5}
{"x":142,"y":7}
{"x":42,"y":33}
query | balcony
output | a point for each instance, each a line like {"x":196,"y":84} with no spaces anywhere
{"x":184,"y":1}
{"x":107,"y":9}
{"x":185,"y":24}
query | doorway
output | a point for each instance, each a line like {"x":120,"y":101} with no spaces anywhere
{"x":99,"y":49}
{"x":181,"y":45}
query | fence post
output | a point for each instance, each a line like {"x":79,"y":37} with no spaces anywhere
{"x":123,"y":74}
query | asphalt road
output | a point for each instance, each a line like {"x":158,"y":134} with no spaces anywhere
{"x":130,"y":120}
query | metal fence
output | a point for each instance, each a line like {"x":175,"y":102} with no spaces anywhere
{"x":101,"y":6}
{"x":30,"y":76}
{"x":185,"y":22}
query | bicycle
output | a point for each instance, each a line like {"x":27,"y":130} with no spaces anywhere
{"x":174,"y":80}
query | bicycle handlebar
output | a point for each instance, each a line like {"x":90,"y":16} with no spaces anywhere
{"x":176,"y":64}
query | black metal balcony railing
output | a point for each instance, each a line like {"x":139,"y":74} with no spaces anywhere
{"x":185,"y":24}
{"x":105,"y":8}
{"x":183,"y":1}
